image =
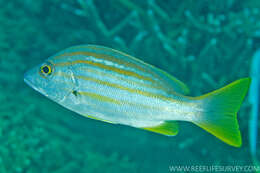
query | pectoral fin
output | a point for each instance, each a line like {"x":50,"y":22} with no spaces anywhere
{"x":92,"y":117}
{"x":168,"y":128}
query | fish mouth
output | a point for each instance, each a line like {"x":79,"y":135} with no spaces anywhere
{"x":29,"y":82}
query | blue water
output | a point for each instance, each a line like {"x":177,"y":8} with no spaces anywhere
{"x":206,"y":44}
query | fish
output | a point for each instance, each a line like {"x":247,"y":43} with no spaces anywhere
{"x":111,"y":86}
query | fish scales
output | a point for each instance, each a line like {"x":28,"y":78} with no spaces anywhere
{"x":111,"y":86}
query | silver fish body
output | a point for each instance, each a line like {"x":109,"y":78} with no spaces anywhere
{"x":109,"y":85}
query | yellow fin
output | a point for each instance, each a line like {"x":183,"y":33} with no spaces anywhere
{"x":177,"y":85}
{"x":221,"y":107}
{"x":89,"y":116}
{"x":169,"y":128}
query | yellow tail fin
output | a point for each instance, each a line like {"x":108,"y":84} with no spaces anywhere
{"x":221,"y":107}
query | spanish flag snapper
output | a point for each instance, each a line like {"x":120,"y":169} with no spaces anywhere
{"x":111,"y":86}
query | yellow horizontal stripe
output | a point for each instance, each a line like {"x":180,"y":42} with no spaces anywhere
{"x":114,"y":51}
{"x":113,"y":85}
{"x":100,"y":97}
{"x":102,"y":56}
{"x":123,"y":79}
{"x":102,"y":66}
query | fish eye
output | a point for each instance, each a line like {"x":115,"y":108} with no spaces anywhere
{"x":46,"y":69}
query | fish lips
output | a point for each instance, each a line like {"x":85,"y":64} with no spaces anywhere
{"x":31,"y":79}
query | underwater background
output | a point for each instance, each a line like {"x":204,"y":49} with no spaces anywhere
{"x":206,"y":44}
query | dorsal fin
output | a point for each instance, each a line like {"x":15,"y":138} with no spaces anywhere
{"x":175,"y":84}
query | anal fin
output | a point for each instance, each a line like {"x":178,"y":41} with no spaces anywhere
{"x":168,"y":128}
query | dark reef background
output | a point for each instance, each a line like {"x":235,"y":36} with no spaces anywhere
{"x":206,"y":44}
